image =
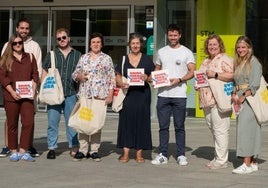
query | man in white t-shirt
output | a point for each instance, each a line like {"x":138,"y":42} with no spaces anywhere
{"x":180,"y":63}
{"x":30,"y":46}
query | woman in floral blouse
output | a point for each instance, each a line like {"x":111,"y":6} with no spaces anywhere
{"x":219,"y":66}
{"x":95,"y":73}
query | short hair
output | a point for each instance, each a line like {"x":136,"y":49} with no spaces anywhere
{"x":63,"y":30}
{"x":173,"y":27}
{"x":95,"y":35}
{"x":22,"y":20}
{"x":136,"y":35}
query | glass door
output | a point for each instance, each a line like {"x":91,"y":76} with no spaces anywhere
{"x":113,"y":24}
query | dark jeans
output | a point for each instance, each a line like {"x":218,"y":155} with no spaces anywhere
{"x":165,"y":107}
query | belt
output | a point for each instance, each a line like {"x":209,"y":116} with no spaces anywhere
{"x":242,"y":86}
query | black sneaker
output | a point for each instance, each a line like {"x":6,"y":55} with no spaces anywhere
{"x":95,"y":156}
{"x":5,"y":152}
{"x":51,"y":154}
{"x":32,"y":151}
{"x":79,"y":156}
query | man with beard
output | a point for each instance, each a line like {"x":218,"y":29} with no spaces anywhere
{"x":180,"y":64}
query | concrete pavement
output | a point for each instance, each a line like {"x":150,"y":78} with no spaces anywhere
{"x":65,"y":173}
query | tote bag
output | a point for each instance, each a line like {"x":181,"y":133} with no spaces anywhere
{"x":88,"y":115}
{"x":51,"y":91}
{"x":222,"y":93}
{"x":119,"y":93}
{"x":259,"y":102}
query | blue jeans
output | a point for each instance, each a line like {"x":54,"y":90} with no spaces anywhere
{"x":165,"y":107}
{"x":54,"y":115}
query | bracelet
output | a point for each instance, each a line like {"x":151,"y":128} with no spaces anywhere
{"x":180,"y":80}
{"x":216,"y":75}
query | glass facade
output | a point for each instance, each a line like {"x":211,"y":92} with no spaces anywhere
{"x":116,"y":20}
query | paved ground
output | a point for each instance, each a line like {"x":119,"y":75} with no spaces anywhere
{"x":65,"y":173}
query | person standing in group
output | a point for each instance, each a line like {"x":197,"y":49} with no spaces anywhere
{"x":66,"y":59}
{"x":247,"y":76}
{"x":95,"y":74}
{"x":180,"y":63}
{"x":219,"y":66}
{"x":16,"y":66}
{"x":134,"y":128}
{"x":30,"y":46}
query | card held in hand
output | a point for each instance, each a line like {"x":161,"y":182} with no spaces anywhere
{"x":160,"y":78}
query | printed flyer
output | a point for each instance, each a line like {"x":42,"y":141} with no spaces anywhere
{"x":25,"y":89}
{"x":160,"y":78}
{"x":201,"y":79}
{"x":134,"y":77}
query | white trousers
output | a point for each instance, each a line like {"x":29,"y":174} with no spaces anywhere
{"x":84,"y":140}
{"x":219,"y":125}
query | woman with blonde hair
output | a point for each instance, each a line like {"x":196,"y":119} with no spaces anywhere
{"x":247,"y":76}
{"x":218,"y":66}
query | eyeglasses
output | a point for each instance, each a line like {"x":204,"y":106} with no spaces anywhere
{"x":16,"y":43}
{"x":60,"y":38}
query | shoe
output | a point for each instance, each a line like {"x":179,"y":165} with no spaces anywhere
{"x":243,"y":169}
{"x":79,"y":156}
{"x":14,"y":157}
{"x":254,"y":167}
{"x":216,"y":165}
{"x":123,"y":159}
{"x":51,"y":154}
{"x":182,"y":160}
{"x":32,"y":151}
{"x":5,"y":152}
{"x":210,"y":163}
{"x":26,"y":157}
{"x":140,"y":160}
{"x":159,"y":159}
{"x":95,"y":156}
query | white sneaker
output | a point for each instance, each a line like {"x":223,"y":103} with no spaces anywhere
{"x":159,"y":159}
{"x":182,"y":160}
{"x":243,"y":169}
{"x":254,"y":167}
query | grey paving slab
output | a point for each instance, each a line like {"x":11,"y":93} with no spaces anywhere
{"x":65,"y":173}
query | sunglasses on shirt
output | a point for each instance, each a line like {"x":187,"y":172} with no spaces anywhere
{"x":60,"y":38}
{"x":16,"y":43}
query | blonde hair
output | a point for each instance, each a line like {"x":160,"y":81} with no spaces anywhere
{"x":220,"y":41}
{"x":7,"y":58}
{"x":238,"y":60}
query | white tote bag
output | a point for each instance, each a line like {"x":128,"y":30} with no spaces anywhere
{"x":119,"y":93}
{"x":259,"y":102}
{"x":88,"y":115}
{"x":51,"y":91}
{"x":222,"y":93}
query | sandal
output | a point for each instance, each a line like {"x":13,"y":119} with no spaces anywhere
{"x":140,"y":160}
{"x":123,"y":159}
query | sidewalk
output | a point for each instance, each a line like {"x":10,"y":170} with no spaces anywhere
{"x":65,"y":173}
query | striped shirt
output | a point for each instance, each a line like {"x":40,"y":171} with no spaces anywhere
{"x":66,"y":67}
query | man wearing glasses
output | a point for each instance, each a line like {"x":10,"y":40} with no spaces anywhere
{"x":30,"y":46}
{"x":66,"y":59}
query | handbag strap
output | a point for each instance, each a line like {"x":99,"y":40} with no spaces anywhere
{"x":123,"y":63}
{"x":52,"y":59}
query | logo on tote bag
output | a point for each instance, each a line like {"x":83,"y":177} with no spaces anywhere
{"x":49,"y":83}
{"x":86,"y":114}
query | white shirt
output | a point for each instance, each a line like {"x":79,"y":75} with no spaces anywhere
{"x":175,"y":60}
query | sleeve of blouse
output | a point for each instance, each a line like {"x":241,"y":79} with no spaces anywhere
{"x":255,"y":75}
{"x":79,"y":68}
